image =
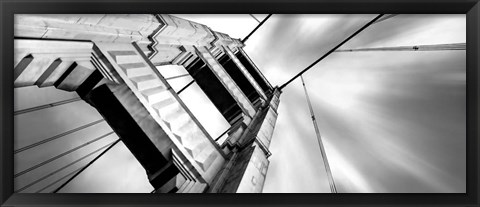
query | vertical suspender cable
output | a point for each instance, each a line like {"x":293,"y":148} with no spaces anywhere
{"x":86,"y":166}
{"x":61,"y":155}
{"x":58,"y":180}
{"x":56,"y":136}
{"x":36,"y":108}
{"x":437,"y":47}
{"x":62,"y":168}
{"x":319,"y":138}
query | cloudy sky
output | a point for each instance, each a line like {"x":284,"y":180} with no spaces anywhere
{"x":391,"y":122}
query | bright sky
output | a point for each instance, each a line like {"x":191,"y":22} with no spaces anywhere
{"x":390,"y":121}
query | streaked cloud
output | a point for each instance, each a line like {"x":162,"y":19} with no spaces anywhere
{"x":391,"y":121}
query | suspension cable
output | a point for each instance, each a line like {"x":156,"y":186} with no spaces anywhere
{"x":333,"y":189}
{"x":61,"y":155}
{"x":62,"y":168}
{"x":46,"y":106}
{"x":57,"y":136}
{"x":254,"y":18}
{"x":191,"y":82}
{"x":221,"y":135}
{"x":186,"y":86}
{"x":331,"y":51}
{"x":436,"y":47}
{"x":258,"y":26}
{"x":86,"y":166}
{"x":387,"y":16}
{"x":58,"y":180}
{"x":177,"y":76}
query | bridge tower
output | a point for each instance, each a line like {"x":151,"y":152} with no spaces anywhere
{"x":111,"y":62}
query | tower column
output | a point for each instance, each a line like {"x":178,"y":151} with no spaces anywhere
{"x":193,"y":144}
{"x":253,"y":70}
{"x":230,"y":85}
{"x":110,"y":61}
{"x":245,"y":72}
{"x":246,"y":170}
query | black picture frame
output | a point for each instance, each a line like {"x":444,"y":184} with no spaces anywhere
{"x":9,"y":7}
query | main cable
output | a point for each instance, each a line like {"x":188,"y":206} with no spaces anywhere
{"x":331,"y":51}
{"x":258,"y":26}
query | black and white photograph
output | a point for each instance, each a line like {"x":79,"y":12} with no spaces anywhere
{"x":240,"y":103}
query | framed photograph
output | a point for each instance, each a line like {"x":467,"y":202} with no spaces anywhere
{"x":250,"y":103}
